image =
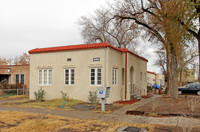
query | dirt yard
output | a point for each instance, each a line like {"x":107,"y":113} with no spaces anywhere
{"x":185,"y":105}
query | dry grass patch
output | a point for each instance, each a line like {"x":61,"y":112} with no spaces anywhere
{"x":20,"y":121}
{"x":52,"y":104}
{"x":14,"y":97}
{"x":71,"y":104}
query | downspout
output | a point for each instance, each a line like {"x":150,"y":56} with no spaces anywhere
{"x":125,"y":74}
{"x":105,"y":67}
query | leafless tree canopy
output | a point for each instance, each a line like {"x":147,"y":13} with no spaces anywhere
{"x":101,"y":27}
{"x":18,"y":60}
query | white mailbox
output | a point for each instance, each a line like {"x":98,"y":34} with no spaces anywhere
{"x":103,"y":92}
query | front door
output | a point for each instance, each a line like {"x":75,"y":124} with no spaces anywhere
{"x":4,"y":79}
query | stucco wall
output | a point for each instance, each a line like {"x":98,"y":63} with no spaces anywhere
{"x":151,"y":79}
{"x":115,"y":61}
{"x":16,"y":69}
{"x":20,"y":70}
{"x":139,"y":66}
{"x":160,"y":79}
{"x":81,"y":61}
{"x":188,"y":75}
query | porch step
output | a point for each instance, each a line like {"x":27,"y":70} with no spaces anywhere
{"x":135,"y":96}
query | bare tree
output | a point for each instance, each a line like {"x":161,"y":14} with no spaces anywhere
{"x":3,"y":61}
{"x":161,"y":61}
{"x":16,"y":61}
{"x":156,"y":17}
{"x":9,"y":61}
{"x":19,"y":60}
{"x":186,"y":58}
{"x":190,"y":20}
{"x":102,"y":28}
{"x":24,"y":59}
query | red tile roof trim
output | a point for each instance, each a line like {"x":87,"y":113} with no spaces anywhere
{"x":83,"y":46}
{"x":151,"y":72}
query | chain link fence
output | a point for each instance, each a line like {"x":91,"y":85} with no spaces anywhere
{"x":13,"y":89}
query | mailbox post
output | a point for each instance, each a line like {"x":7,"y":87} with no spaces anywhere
{"x":103,"y":93}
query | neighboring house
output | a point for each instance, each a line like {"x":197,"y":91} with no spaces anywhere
{"x":78,"y":69}
{"x":151,"y":78}
{"x":157,"y":78}
{"x":188,"y":76}
{"x":13,"y":74}
{"x":160,"y":79}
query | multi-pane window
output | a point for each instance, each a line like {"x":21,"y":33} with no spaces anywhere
{"x":140,"y":76}
{"x":114,"y":76}
{"x":22,"y":79}
{"x":148,"y":79}
{"x":19,"y":78}
{"x":122,"y":76}
{"x":45,"y":77}
{"x":145,"y":77}
{"x":69,"y":76}
{"x":95,"y":76}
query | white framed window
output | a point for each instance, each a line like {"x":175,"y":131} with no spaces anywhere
{"x":145,"y":77}
{"x":123,"y":76}
{"x":69,"y":76}
{"x":141,"y":76}
{"x":148,"y":79}
{"x":19,"y":78}
{"x":95,"y":76}
{"x":45,"y":77}
{"x":114,"y":76}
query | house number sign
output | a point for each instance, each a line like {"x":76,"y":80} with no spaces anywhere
{"x":96,"y":59}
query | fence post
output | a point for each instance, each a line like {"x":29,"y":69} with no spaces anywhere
{"x":17,"y":91}
{"x":23,"y":90}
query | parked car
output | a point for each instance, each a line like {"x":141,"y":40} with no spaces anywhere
{"x":190,"y":88}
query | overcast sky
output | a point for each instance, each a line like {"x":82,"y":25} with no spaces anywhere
{"x":29,"y":24}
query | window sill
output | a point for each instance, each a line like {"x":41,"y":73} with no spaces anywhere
{"x":48,"y":85}
{"x":95,"y":85}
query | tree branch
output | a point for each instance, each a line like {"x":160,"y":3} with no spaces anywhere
{"x":156,"y":33}
{"x":188,"y":29}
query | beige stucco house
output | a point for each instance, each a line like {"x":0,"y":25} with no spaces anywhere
{"x":160,"y":79}
{"x":151,"y":78}
{"x":13,"y":74}
{"x":157,"y":78}
{"x":78,"y":69}
{"x":188,"y":76}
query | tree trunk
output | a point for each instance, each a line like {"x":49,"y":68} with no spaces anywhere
{"x":181,"y":72}
{"x":199,"y":58}
{"x":168,"y":75}
{"x":173,"y":73}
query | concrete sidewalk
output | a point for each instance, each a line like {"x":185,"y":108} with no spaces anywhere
{"x":123,"y":110}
